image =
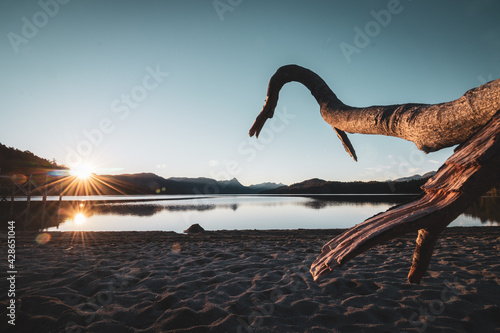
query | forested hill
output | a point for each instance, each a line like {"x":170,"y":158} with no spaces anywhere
{"x":408,"y":185}
{"x":320,"y":186}
{"x":15,"y":161}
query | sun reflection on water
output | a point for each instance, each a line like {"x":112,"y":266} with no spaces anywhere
{"x":79,"y":219}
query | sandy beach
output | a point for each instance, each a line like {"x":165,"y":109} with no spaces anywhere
{"x":249,"y":281}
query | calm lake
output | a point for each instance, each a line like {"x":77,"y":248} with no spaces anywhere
{"x":177,"y":213}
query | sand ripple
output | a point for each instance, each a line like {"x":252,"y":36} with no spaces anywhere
{"x":251,"y":281}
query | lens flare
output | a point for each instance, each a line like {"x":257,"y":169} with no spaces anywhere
{"x":42,"y":238}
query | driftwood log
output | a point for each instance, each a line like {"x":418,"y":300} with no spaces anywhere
{"x":430,"y":126}
{"x":473,"y":121}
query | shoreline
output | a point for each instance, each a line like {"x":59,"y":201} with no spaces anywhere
{"x":251,"y":281}
{"x":38,"y":215}
{"x":26,"y":237}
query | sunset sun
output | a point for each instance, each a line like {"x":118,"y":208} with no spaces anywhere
{"x":83,"y":171}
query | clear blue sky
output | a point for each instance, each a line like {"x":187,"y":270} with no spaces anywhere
{"x":91,"y":77}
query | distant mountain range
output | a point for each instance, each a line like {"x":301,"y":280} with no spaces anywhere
{"x":414,"y":177}
{"x":14,"y":161}
{"x":182,"y":185}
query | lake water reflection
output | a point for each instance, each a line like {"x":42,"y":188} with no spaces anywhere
{"x":223,"y":212}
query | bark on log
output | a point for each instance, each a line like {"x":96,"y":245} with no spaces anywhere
{"x":430,"y":126}
{"x":464,"y":177}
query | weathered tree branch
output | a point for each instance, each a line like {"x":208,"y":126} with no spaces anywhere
{"x":430,"y":126}
{"x":426,"y":240}
{"x":473,"y":121}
